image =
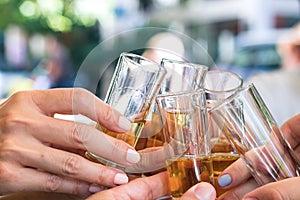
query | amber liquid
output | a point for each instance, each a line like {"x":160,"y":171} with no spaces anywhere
{"x":222,"y":160}
{"x":222,"y":155}
{"x":130,"y":137}
{"x":151,"y":134}
{"x":184,"y":172}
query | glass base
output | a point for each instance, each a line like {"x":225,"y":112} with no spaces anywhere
{"x":94,"y":158}
{"x":165,"y":198}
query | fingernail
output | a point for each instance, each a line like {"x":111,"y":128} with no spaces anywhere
{"x":204,"y":193}
{"x":133,"y":156}
{"x":124,"y":123}
{"x":94,"y":189}
{"x":224,"y":180}
{"x":120,"y":179}
{"x":250,"y":198}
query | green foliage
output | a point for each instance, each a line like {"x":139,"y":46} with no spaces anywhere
{"x":30,"y":15}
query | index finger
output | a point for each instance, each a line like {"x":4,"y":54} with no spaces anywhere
{"x":291,"y":130}
{"x":79,"y":101}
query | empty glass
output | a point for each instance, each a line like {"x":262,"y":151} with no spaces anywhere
{"x":256,"y":136}
{"x":181,"y":76}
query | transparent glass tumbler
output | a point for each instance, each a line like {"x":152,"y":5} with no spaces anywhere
{"x":186,"y":146}
{"x":256,"y":136}
{"x":134,"y":85}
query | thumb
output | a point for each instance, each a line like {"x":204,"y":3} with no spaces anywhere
{"x":287,"y":189}
{"x":200,"y":191}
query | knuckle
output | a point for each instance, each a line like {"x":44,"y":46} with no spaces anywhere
{"x":105,"y":176}
{"x":19,"y":96}
{"x":71,"y":165}
{"x":107,"y":113}
{"x":9,"y":149}
{"x":6,"y":175}
{"x":53,"y":183}
{"x":11,"y":121}
{"x":102,"y":178}
{"x":76,"y":136}
{"x":80,"y":135}
{"x":117,"y":147}
{"x":78,"y":95}
{"x":79,"y":188}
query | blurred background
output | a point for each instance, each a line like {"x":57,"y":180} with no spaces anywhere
{"x":44,"y":42}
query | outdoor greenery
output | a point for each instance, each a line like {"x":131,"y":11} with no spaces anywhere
{"x":43,"y":15}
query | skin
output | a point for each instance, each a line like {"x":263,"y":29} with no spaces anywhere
{"x":45,"y":156}
{"x":41,"y":153}
{"x":151,"y":188}
{"x":243,"y":186}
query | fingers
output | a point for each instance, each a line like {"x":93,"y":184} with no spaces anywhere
{"x":71,"y":165}
{"x":79,"y":101}
{"x":142,"y":188}
{"x":34,"y":195}
{"x":201,"y":191}
{"x":238,"y":192}
{"x":85,"y":137}
{"x":234,"y":175}
{"x":28,"y":179}
{"x":287,"y":189}
{"x":291,"y":130}
{"x":152,"y":159}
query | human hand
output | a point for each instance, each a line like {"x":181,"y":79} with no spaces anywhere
{"x":41,"y":153}
{"x":238,"y":177}
{"x":152,"y":188}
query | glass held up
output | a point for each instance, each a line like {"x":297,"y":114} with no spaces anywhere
{"x":220,"y":84}
{"x":186,"y":146}
{"x":134,"y":85}
{"x":256,"y":136}
{"x":181,"y":76}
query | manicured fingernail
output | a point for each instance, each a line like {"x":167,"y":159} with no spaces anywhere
{"x":124,"y":123}
{"x":204,"y":193}
{"x":133,"y":156}
{"x":224,"y":180}
{"x":120,"y":179}
{"x":94,"y":189}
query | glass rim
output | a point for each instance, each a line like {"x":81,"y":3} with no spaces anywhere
{"x":182,"y":62}
{"x":238,"y":77}
{"x":220,"y":104}
{"x":181,"y":93}
{"x":126,"y":55}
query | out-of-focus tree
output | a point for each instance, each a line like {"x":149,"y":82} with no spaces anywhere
{"x":43,"y":15}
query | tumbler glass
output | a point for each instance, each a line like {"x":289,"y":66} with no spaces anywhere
{"x":134,"y":85}
{"x":256,"y":136}
{"x":220,"y":84}
{"x":181,"y":76}
{"x":186,"y":146}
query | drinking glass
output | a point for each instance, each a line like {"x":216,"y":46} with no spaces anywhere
{"x":220,"y":84}
{"x":134,"y":85}
{"x":256,"y":136}
{"x":186,"y":146}
{"x":181,"y":76}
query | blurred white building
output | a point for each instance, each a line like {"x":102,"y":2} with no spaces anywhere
{"x":231,"y":24}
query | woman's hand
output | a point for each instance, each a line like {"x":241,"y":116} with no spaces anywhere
{"x":41,"y":153}
{"x":152,"y":188}
{"x":243,"y":186}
